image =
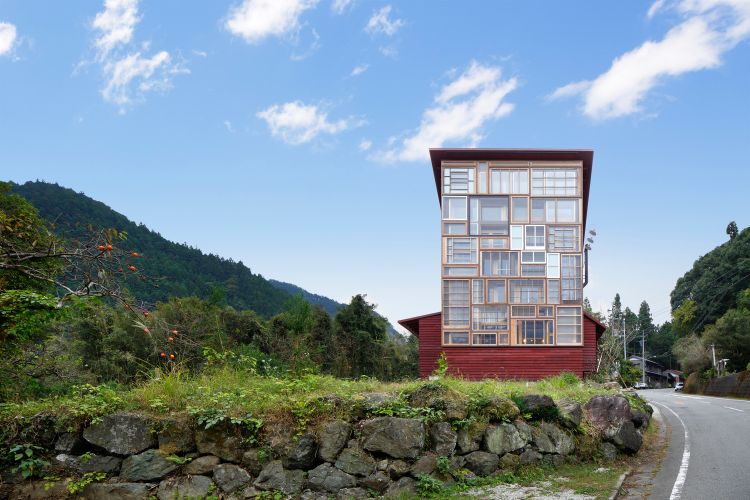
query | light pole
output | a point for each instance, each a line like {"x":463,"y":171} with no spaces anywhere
{"x":643,"y":356}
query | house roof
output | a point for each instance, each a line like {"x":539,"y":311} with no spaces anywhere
{"x":600,"y":327}
{"x":585,"y":156}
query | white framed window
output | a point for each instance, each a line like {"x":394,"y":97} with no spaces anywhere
{"x":484,"y":339}
{"x":455,"y":207}
{"x":553,"y":291}
{"x":569,"y":325}
{"x":523,"y":311}
{"x":535,"y":237}
{"x":489,"y":318}
{"x":554,"y":182}
{"x":519,"y":210}
{"x":533,"y":257}
{"x":456,"y":303}
{"x":458,"y":180}
{"x":482,"y":178}
{"x":488,"y":215}
{"x":494,"y":244}
{"x":546,"y":311}
{"x":526,"y":291}
{"x":535,"y":332}
{"x":477,"y":292}
{"x":516,"y":237}
{"x":533,"y":270}
{"x":509,"y":181}
{"x":495,"y":291}
{"x":460,"y":271}
{"x":461,"y":251}
{"x":456,"y":338}
{"x":454,"y":228}
{"x":553,"y":265}
{"x":563,"y":239}
{"x":571,"y":283}
{"x":552,"y":210}
{"x":499,"y":263}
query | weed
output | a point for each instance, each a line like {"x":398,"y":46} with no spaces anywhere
{"x":443,"y":464}
{"x":177,"y":459}
{"x":87,"y":456}
{"x":428,"y":485}
{"x":22,"y":455}
{"x":78,"y":485}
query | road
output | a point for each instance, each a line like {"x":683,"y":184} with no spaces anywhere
{"x":709,"y":449}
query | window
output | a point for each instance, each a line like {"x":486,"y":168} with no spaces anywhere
{"x":458,"y":180}
{"x":489,"y":216}
{"x":526,"y":292}
{"x":532,"y":257}
{"x":495,"y":291}
{"x":534,"y":237}
{"x":460,"y":338}
{"x":509,"y":181}
{"x":552,"y":211}
{"x":454,"y":207}
{"x":490,"y":318}
{"x":516,"y":237}
{"x":539,"y":331}
{"x":494,"y":243}
{"x":519,"y":210}
{"x":571,"y":290}
{"x":546,"y":311}
{"x":456,"y":303}
{"x":554,"y":182}
{"x":477,"y":292}
{"x":454,"y":228}
{"x":563,"y":239}
{"x":460,"y":250}
{"x":499,"y":263}
{"x":553,"y":291}
{"x":459,"y":271}
{"x":482,"y":178}
{"x":484,"y":339}
{"x":533,"y":270}
{"x":523,"y":311}
{"x":553,"y":265}
{"x":568,"y":325}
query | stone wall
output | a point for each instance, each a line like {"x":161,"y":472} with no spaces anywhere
{"x":735,"y":385}
{"x":145,"y":457}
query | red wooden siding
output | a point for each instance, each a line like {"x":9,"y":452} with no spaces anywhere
{"x":528,"y":363}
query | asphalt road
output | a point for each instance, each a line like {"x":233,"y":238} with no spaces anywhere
{"x":708,"y":457}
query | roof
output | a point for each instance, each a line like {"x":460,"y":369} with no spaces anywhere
{"x":600,"y":327}
{"x":585,"y":156}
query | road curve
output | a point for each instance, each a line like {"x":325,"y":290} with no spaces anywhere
{"x":709,"y":448}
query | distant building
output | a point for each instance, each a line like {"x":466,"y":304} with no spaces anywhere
{"x":656,"y":375}
{"x":513,"y":265}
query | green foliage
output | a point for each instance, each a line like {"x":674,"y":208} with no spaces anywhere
{"x":87,"y":456}
{"x":692,"y":354}
{"x":26,"y":461}
{"x":399,"y":407}
{"x":428,"y":485}
{"x":443,"y":464}
{"x":683,"y":317}
{"x":731,"y":334}
{"x":76,"y":486}
{"x":629,"y":373}
{"x":177,"y":460}
{"x":442,"y":366}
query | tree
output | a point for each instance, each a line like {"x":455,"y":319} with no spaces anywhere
{"x":660,"y":345}
{"x":683,"y":318}
{"x":361,"y":335}
{"x":731,"y":334}
{"x":645,"y":328}
{"x":692,"y":354}
{"x":732,"y":230}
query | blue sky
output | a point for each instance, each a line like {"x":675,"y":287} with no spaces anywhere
{"x":293,"y":134}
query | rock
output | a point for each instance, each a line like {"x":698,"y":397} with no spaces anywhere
{"x":608,"y":451}
{"x":443,"y":439}
{"x":202,"y":465}
{"x":251,"y":461}
{"x":553,"y":460}
{"x":607,"y":411}
{"x":397,"y":468}
{"x":69,"y":442}
{"x":469,"y":438}
{"x":405,"y":487}
{"x":503,"y":438}
{"x":355,"y":461}
{"x":121,"y":434}
{"x":146,"y":466}
{"x":570,"y":414}
{"x":176,"y":437}
{"x":530,"y":457}
{"x":425,"y":465}
{"x":313,"y":495}
{"x":352,"y":493}
{"x":541,"y":407}
{"x":382,"y":465}
{"x":90,"y":463}
{"x":640,"y":419}
{"x":457,"y":462}
{"x":333,"y":438}
{"x":510,"y":461}
{"x":524,"y":430}
{"x":221,"y":440}
{"x":562,"y":443}
{"x":436,"y":396}
{"x":40,"y":490}
{"x":611,"y":385}
{"x":397,"y":437}
{"x":119,"y":491}
{"x":275,"y":477}
{"x":230,"y":477}
{"x":541,"y":440}
{"x":185,"y":487}
{"x":627,"y":438}
{"x":482,"y":463}
{"x":329,"y":478}
{"x":304,"y":453}
{"x":373,"y":400}
{"x":500,"y":409}
{"x":377,"y":481}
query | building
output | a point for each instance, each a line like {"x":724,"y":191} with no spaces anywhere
{"x":514,"y":264}
{"x":656,"y":375}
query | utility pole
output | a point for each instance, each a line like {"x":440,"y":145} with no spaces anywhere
{"x":643,"y":356}
{"x":713,"y":354}
{"x":624,"y":340}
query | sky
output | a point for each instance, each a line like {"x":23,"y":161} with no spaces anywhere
{"x":293,"y":135}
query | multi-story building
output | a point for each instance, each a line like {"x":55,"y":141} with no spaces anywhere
{"x":513,"y":264}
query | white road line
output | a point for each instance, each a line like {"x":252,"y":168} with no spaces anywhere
{"x":679,"y":481}
{"x":735,"y":409}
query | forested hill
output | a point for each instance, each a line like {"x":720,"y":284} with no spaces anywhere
{"x":715,"y":280}
{"x":187,"y":271}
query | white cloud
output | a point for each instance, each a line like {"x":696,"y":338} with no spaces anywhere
{"x":359,"y":69}
{"x":7,"y":38}
{"x":365,"y":144}
{"x":657,"y":6}
{"x":200,"y":53}
{"x":255,"y":20}
{"x":129,"y":74}
{"x":297,"y":123}
{"x":381,"y":22}
{"x":340,"y":6}
{"x":228,"y":126}
{"x":709,"y":29}
{"x":459,"y":112}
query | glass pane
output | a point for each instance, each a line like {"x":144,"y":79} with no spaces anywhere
{"x":520,"y":210}
{"x":454,"y":207}
{"x":496,"y":291}
{"x":454,"y":228}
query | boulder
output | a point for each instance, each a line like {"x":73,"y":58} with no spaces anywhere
{"x":69,"y":442}
{"x":202,"y":465}
{"x":230,"y":477}
{"x":626,"y":437}
{"x":607,"y":411}
{"x":541,"y":440}
{"x":221,"y":440}
{"x":608,"y":451}
{"x":119,"y":491}
{"x":640,"y":419}
{"x":469,"y":438}
{"x":253,"y":461}
{"x":482,"y":463}
{"x":615,"y":386}
{"x":40,"y":490}
{"x":89,"y":463}
{"x":355,"y":461}
{"x":352,"y":493}
{"x":553,"y":460}
{"x":457,"y":462}
{"x":510,"y":461}
{"x":426,"y":464}
{"x":304,"y":453}
{"x":377,"y":481}
{"x":405,"y":487}
{"x":275,"y":477}
{"x":329,"y":478}
{"x":333,"y":438}
{"x":530,"y":457}
{"x":570,"y":414}
{"x":541,"y":406}
{"x":397,"y":468}
{"x":436,"y":396}
{"x":524,"y":430}
{"x":313,"y":495}
{"x":562,"y":443}
{"x":443,"y":439}
{"x":185,"y":487}
{"x":394,"y":436}
{"x":503,"y":438}
{"x":121,"y":434}
{"x":499,"y":409}
{"x":147,"y":466}
{"x":176,"y":437}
